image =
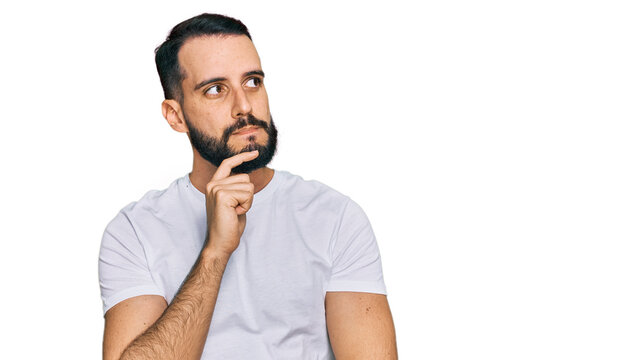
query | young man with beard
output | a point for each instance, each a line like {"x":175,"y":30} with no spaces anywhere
{"x":236,"y":260}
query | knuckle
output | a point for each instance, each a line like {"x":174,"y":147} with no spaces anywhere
{"x":213,"y":187}
{"x":228,"y":161}
{"x":220,"y":194}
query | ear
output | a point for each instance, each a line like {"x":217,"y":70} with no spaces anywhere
{"x":171,"y":110}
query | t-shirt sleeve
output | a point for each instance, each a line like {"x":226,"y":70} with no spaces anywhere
{"x":123,"y":266}
{"x":356,"y":264}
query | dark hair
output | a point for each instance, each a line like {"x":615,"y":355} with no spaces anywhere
{"x":166,"y":55}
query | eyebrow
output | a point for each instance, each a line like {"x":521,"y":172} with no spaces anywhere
{"x":209,"y":81}
{"x":255,"y":72}
{"x":216,"y":79}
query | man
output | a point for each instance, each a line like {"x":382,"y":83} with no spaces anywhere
{"x":236,"y":260}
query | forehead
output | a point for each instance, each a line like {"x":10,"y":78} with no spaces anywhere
{"x":215,"y":56}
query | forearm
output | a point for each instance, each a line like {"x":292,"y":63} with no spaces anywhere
{"x":181,"y":331}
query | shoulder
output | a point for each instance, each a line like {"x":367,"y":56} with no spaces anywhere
{"x":153,"y":204}
{"x":298,"y":186}
{"x":310,"y":193}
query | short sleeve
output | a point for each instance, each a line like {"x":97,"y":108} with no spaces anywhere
{"x":123,"y":266}
{"x":356,"y":264}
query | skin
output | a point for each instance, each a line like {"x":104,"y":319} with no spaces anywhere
{"x":146,"y":327}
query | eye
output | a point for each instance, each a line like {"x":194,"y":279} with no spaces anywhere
{"x":214,"y":90}
{"x":253,"y":82}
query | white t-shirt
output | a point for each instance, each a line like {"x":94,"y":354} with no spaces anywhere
{"x":301,"y":240}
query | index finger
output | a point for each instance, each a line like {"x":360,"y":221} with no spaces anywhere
{"x":225,"y":167}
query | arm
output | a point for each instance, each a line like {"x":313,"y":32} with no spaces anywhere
{"x":360,"y":326}
{"x":128,"y":319}
{"x":176,"y":332}
{"x":181,"y":330}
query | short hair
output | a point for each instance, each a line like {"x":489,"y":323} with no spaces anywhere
{"x":166,"y":55}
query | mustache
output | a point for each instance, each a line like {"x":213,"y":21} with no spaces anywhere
{"x":242,"y":122}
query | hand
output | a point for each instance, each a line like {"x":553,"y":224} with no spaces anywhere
{"x":228,"y":198}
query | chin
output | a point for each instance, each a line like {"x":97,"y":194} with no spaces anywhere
{"x":250,"y":145}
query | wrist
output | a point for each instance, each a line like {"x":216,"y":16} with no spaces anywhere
{"x":211,"y":256}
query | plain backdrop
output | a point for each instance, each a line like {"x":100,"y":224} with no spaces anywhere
{"x":482,"y":138}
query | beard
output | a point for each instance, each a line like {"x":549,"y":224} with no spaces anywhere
{"x":216,"y":150}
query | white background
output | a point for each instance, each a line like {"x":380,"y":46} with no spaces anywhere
{"x":483,"y":139}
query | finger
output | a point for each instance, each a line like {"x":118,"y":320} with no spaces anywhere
{"x":249,"y":187}
{"x":244,"y":206}
{"x":225,"y":167}
{"x":240,"y":200}
{"x":233,"y":179}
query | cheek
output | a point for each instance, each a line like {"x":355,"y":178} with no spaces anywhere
{"x":262,"y":137}
{"x":209,"y":119}
{"x":261,"y":109}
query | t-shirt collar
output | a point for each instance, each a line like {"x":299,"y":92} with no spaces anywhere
{"x":265,"y":193}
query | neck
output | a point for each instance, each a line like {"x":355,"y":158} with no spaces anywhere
{"x":203,"y":171}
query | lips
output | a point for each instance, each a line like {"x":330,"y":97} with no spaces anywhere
{"x":245,"y":130}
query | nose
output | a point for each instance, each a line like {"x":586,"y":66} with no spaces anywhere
{"x":241,"y":105}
